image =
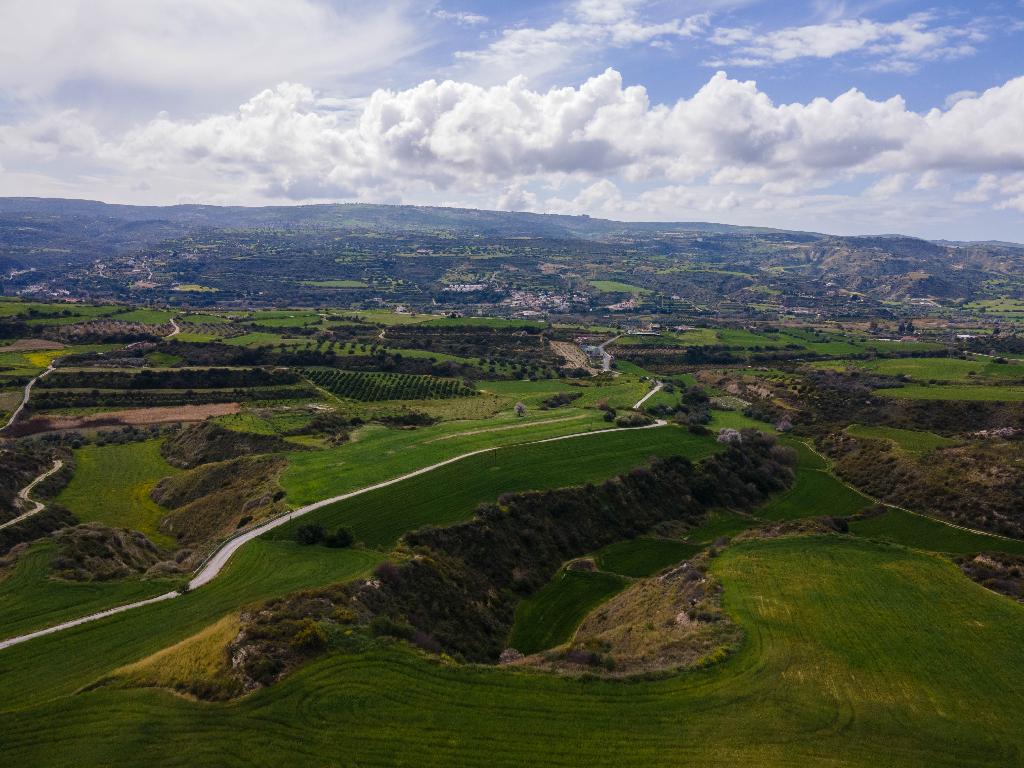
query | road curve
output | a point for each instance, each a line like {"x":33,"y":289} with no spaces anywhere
{"x":24,"y":492}
{"x":176,"y":331}
{"x":215,"y":564}
{"x":28,"y":392}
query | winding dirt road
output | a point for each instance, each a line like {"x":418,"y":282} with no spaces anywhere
{"x":215,"y":564}
{"x":24,"y":492}
{"x":176,"y":331}
{"x":28,"y":392}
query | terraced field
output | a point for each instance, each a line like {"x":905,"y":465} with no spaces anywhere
{"x":828,"y":669}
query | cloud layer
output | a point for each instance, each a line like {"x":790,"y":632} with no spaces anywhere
{"x":457,"y":136}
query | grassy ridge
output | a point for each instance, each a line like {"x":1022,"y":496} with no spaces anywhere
{"x":449,"y":494}
{"x":856,"y":654}
{"x":550,"y":616}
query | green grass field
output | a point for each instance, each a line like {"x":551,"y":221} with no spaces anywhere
{"x":30,"y":599}
{"x":956,"y":392}
{"x":111,"y":485}
{"x":335,"y":283}
{"x":486,"y":322}
{"x":62,"y":663}
{"x":940,"y":369}
{"x":720,"y":523}
{"x":551,"y":615}
{"x":814,"y":492}
{"x":909,"y":440}
{"x":925,"y":533}
{"x":449,"y":494}
{"x":614,"y":286}
{"x":856,"y":654}
{"x":377,"y":453}
{"x":643,"y":556}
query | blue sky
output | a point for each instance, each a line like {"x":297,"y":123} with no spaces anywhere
{"x":877,"y":116}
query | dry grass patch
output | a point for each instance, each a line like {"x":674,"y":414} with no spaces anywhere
{"x":198,"y":666}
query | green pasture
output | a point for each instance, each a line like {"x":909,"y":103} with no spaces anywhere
{"x":923,"y":532}
{"x":111,"y":485}
{"x":614,"y":286}
{"x":550,"y":616}
{"x":643,"y":556}
{"x":30,"y":599}
{"x":976,"y":393}
{"x":720,"y":523}
{"x":60,"y":664}
{"x":855,"y":654}
{"x":814,"y":492}
{"x":943,"y":369}
{"x":910,"y":440}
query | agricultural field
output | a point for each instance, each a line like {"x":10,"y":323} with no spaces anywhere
{"x":935,"y":698}
{"x":30,"y":599}
{"x":385,"y":386}
{"x":643,"y":556}
{"x":914,"y":441}
{"x":921,"y":532}
{"x":613,"y":286}
{"x":973,"y":393}
{"x":450,"y":493}
{"x":926,"y":369}
{"x":551,"y":616}
{"x":491,"y":502}
{"x":111,"y":485}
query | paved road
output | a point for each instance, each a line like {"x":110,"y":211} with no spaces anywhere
{"x":24,"y":492}
{"x":606,"y":358}
{"x":28,"y":392}
{"x":212,"y":567}
{"x":658,"y":386}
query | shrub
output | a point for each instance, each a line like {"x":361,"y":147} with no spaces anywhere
{"x":340,"y":539}
{"x":312,"y":533}
{"x":382,"y":626}
{"x":310,"y":637}
{"x":633,"y":419}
